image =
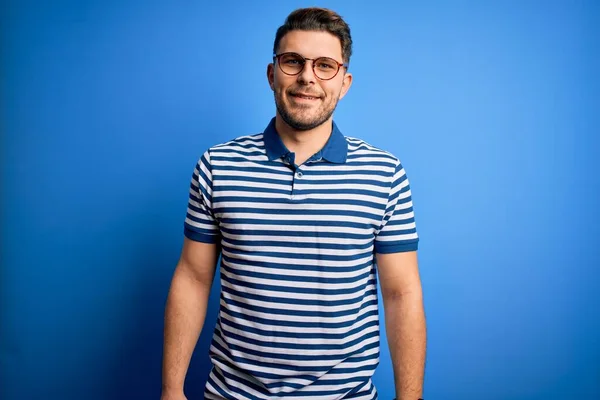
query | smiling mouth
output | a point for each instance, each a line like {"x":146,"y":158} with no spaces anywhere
{"x":303,"y":96}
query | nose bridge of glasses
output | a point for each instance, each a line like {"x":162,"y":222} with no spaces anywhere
{"x":312,"y":65}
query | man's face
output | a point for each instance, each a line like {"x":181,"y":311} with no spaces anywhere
{"x":304,"y":101}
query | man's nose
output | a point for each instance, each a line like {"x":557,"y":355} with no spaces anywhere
{"x":307,"y":75}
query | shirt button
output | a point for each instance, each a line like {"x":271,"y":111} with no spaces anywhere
{"x":299,"y":174}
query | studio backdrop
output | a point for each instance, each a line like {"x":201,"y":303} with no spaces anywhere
{"x":492,"y":107}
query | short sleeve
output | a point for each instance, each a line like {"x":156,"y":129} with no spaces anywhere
{"x":398,"y":232}
{"x":200,"y":223}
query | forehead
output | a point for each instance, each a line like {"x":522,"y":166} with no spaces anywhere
{"x":311,"y":44}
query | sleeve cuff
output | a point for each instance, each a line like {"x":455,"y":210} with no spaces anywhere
{"x":200,"y":237}
{"x":395,"y":247}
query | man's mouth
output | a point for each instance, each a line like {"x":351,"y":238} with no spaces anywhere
{"x":305,"y":96}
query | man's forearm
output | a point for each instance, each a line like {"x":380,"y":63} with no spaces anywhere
{"x":406,"y":335}
{"x":184,"y":317}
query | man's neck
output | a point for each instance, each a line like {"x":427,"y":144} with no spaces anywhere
{"x":303,"y":143}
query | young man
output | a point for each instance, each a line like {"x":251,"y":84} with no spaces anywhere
{"x":304,"y":219}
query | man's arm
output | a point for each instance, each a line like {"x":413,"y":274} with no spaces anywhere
{"x":185,"y":313}
{"x":404,"y":320}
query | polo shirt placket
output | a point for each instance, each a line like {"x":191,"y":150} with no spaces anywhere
{"x":299,"y":173}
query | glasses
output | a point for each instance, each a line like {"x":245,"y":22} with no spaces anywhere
{"x":324,"y":68}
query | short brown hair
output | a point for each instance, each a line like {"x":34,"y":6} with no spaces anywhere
{"x":317,"y":19}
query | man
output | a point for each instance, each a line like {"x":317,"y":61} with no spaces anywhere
{"x":304,"y":219}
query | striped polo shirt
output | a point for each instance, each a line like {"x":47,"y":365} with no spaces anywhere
{"x":298,"y":313}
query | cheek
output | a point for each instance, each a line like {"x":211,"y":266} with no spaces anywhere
{"x":332,"y":93}
{"x":279,"y":91}
{"x":279,"y":86}
{"x":331,"y":88}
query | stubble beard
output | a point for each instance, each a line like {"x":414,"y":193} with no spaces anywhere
{"x":306,"y":124}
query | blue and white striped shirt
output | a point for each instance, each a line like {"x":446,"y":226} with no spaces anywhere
{"x":298,"y":316}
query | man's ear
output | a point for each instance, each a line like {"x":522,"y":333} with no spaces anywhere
{"x":346,"y":83}
{"x":271,"y":75}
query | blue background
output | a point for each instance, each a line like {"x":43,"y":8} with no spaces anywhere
{"x":493,"y":108}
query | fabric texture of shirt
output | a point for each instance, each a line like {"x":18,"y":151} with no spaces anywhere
{"x":298,"y":313}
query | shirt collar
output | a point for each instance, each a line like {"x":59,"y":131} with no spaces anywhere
{"x":335,"y":150}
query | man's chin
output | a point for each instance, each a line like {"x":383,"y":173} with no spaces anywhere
{"x":304,"y":120}
{"x":302,"y":124}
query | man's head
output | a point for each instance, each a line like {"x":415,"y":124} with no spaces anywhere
{"x":306,"y":92}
